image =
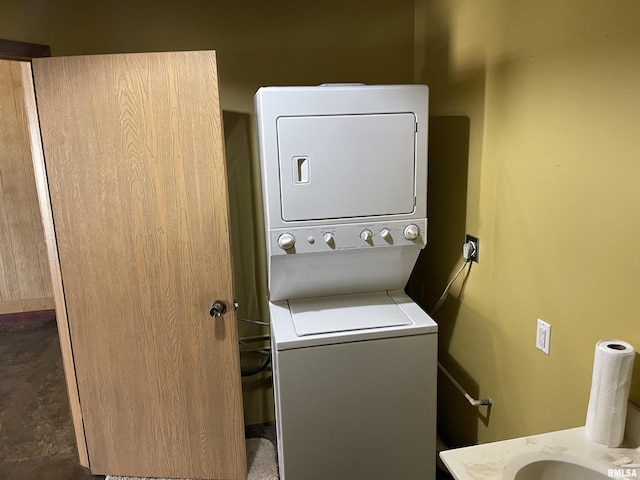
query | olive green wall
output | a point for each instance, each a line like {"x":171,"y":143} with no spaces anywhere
{"x":258,"y":42}
{"x":533,"y":148}
{"x":550,"y":93}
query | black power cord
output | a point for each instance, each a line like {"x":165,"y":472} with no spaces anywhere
{"x":254,"y":371}
{"x":267,"y":352}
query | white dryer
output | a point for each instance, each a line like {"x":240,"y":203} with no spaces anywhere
{"x":344,"y":179}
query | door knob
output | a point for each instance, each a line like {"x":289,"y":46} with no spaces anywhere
{"x":217,"y":309}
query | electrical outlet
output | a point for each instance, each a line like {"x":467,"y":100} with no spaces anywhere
{"x":543,"y":336}
{"x":476,"y":242}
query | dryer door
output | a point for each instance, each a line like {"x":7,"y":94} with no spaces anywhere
{"x":338,"y":166}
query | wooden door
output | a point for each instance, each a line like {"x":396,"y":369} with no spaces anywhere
{"x":135,"y":169}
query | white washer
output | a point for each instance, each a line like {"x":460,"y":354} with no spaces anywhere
{"x":354,"y":359}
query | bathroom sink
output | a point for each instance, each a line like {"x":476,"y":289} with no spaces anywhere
{"x":553,"y":466}
{"x":559,"y":455}
{"x":557,"y":470}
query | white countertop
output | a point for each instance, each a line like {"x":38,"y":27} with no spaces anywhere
{"x":488,"y":461}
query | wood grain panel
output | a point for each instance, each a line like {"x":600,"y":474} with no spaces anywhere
{"x":26,"y":305}
{"x":24,"y":273}
{"x":135,"y":164}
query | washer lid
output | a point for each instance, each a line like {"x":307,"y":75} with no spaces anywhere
{"x":343,"y":313}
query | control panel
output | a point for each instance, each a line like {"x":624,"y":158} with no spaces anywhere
{"x":326,"y":238}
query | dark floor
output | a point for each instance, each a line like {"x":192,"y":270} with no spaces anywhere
{"x":36,"y":432}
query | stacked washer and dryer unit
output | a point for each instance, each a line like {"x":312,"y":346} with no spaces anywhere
{"x":344,"y":179}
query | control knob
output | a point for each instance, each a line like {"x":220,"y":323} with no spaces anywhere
{"x":328,"y":238}
{"x":286,"y":241}
{"x":386,"y":234}
{"x":366,"y":235}
{"x":411,"y":232}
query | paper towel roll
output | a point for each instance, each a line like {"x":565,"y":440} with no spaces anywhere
{"x":607,"y":412}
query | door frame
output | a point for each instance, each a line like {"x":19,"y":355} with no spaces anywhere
{"x":22,"y":51}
